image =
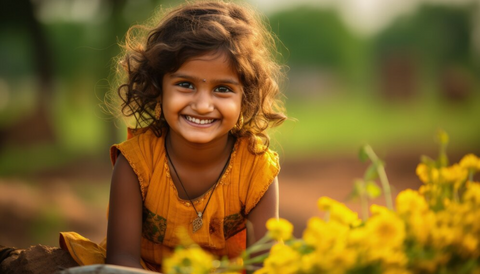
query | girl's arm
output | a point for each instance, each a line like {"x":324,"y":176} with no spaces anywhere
{"x":124,"y":217}
{"x":266,"y":208}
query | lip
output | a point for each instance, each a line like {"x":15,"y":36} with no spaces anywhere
{"x":199,"y":118}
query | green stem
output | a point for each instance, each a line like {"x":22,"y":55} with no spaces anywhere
{"x":258,"y":246}
{"x":470,"y":175}
{"x":258,"y":259}
{"x":382,"y":175}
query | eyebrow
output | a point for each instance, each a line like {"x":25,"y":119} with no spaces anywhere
{"x":219,"y":81}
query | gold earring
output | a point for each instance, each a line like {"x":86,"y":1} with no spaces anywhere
{"x":158,"y":111}
{"x":238,"y":126}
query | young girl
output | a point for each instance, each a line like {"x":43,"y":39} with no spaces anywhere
{"x":202,"y":88}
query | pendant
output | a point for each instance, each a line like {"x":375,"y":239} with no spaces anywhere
{"x":197,"y":222}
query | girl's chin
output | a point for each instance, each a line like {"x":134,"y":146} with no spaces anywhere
{"x":199,"y":138}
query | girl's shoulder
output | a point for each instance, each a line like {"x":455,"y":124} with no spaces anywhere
{"x":144,"y":151}
{"x":246,"y":156}
{"x":141,"y":141}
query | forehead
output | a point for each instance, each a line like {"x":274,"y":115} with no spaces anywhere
{"x":211,"y":55}
{"x":210,"y":64}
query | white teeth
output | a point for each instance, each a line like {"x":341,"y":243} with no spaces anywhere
{"x":198,"y":121}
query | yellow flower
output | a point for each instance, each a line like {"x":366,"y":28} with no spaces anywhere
{"x":389,"y":258}
{"x":396,"y":271}
{"x":452,"y":174}
{"x":323,"y":235}
{"x":470,"y":220}
{"x":358,"y":236}
{"x":409,"y":201}
{"x":341,"y":258}
{"x":308,"y":263}
{"x":282,"y":260}
{"x":420,"y":225}
{"x":184,"y":238}
{"x":445,"y":235}
{"x":377,"y":209}
{"x":469,"y":245}
{"x":279,"y":229}
{"x":325,"y":203}
{"x":262,"y":270}
{"x":386,"y":230}
{"x":470,"y":162}
{"x":472,"y":194}
{"x":338,"y":212}
{"x":423,"y":172}
{"x":313,"y":234}
{"x":188,"y":260}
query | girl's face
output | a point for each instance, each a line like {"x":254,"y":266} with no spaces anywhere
{"x":202,"y":99}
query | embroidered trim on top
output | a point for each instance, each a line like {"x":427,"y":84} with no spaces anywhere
{"x":154,"y":226}
{"x":221,"y":182}
{"x":232,"y":224}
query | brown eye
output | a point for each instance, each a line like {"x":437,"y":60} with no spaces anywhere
{"x":185,"y":85}
{"x":222,"y":89}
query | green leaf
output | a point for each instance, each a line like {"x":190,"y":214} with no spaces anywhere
{"x":357,"y":191}
{"x":428,"y":161}
{"x":362,"y":154}
{"x":373,"y":190}
{"x":371,"y":173}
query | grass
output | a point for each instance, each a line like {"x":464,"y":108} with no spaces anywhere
{"x":18,"y":160}
{"x":342,"y":125}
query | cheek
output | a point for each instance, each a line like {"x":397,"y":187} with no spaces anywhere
{"x":171,"y":107}
{"x":233,"y":108}
{"x":172,"y":100}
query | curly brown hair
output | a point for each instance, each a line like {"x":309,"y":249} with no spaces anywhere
{"x":191,"y":30}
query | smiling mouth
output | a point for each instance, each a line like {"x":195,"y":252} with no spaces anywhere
{"x":199,"y":121}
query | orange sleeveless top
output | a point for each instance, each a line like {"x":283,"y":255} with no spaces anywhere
{"x":166,"y":217}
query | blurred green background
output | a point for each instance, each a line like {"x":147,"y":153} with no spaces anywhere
{"x":388,"y":75}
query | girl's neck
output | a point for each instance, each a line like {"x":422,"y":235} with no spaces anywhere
{"x":198,"y":155}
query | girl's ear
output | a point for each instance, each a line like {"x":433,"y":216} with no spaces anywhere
{"x":158,"y":110}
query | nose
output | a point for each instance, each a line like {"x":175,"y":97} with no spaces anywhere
{"x":203,"y":102}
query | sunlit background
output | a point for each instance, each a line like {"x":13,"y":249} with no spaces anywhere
{"x":384,"y":72}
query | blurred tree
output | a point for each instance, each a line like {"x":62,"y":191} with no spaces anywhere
{"x":318,"y":38}
{"x":86,"y":51}
{"x":312,"y":36}
{"x":426,"y":45}
{"x":17,"y":18}
{"x":74,"y":53}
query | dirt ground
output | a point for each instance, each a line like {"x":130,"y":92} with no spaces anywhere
{"x":34,"y":213}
